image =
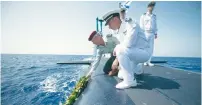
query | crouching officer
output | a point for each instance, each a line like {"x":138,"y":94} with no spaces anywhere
{"x":131,"y":52}
{"x":103,"y":47}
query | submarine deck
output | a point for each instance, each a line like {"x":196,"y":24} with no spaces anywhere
{"x":157,"y":86}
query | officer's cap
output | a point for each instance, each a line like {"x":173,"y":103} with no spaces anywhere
{"x":109,"y":15}
{"x":92,"y":35}
{"x":151,"y":4}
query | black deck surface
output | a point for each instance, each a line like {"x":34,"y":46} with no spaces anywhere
{"x":158,"y":86}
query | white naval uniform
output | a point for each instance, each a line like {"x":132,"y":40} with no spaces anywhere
{"x":120,"y":34}
{"x":149,"y":25}
{"x":110,"y":44}
{"x":132,"y":51}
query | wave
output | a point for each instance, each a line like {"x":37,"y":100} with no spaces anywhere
{"x":50,"y":83}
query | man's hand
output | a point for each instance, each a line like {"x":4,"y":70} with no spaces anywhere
{"x":114,"y":68}
{"x":156,"y":36}
{"x":115,"y":64}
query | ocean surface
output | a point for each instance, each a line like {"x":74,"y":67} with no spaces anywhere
{"x":38,"y":80}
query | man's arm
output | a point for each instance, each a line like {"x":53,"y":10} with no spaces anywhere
{"x":95,"y":62}
{"x":155,"y":27}
{"x":131,"y":38}
{"x":115,"y":64}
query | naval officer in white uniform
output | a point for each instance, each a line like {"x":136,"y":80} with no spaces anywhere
{"x":133,"y":50}
{"x":121,"y":33}
{"x":105,"y":44}
{"x":149,"y":25}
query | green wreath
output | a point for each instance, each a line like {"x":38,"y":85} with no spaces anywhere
{"x":79,"y":88}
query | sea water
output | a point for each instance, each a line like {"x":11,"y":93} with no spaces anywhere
{"x":38,"y":80}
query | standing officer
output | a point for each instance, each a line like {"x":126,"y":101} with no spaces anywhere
{"x":148,"y":24}
{"x":133,"y":50}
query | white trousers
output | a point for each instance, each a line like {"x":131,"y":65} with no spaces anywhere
{"x":150,"y":37}
{"x":129,"y":59}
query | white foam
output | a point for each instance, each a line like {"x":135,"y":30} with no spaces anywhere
{"x":50,"y":83}
{"x":64,"y":84}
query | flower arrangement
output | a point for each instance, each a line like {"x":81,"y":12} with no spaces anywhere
{"x":79,"y":88}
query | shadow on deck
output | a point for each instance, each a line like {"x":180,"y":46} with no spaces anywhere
{"x":158,"y":86}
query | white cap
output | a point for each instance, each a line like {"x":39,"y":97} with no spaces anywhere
{"x":110,"y":14}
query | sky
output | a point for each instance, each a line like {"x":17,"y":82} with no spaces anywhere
{"x":63,"y":27}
